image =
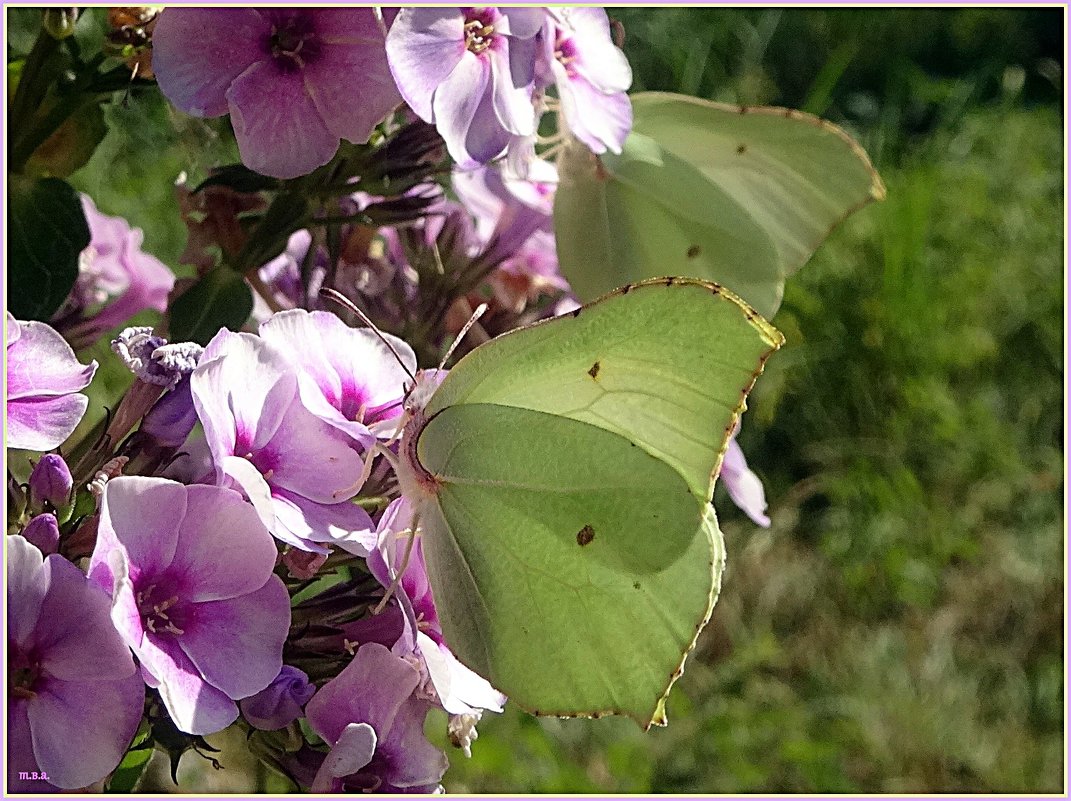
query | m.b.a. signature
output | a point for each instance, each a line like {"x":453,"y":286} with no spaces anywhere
{"x":32,"y":776}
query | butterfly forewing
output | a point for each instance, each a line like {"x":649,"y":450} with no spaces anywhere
{"x":666,"y":366}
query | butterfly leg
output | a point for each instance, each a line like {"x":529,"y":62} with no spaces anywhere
{"x":375,"y":450}
{"x":411,"y":535}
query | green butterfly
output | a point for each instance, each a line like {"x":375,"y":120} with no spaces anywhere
{"x":562,"y":474}
{"x":742,"y":196}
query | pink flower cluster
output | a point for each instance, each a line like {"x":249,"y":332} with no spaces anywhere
{"x":296,"y":81}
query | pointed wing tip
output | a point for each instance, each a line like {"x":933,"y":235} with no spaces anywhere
{"x":877,"y":188}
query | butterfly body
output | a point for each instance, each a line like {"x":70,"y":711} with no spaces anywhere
{"x":561,"y":477}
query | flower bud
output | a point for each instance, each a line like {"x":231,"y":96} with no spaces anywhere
{"x":51,"y":481}
{"x":43,"y":532}
{"x":172,"y":417}
{"x":280,"y":703}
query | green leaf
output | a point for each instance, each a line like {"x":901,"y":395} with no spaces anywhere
{"x":47,"y":232}
{"x":741,"y":196}
{"x":72,"y":144}
{"x":221,"y":299}
{"x":130,"y":769}
{"x":561,"y":475}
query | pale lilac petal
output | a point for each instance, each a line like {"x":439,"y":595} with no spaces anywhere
{"x":352,"y":48}
{"x":40,"y":424}
{"x":455,"y":105}
{"x":416,"y":762}
{"x":139,"y":515}
{"x":744,"y":487}
{"x":20,"y":755}
{"x":370,"y":689}
{"x":310,"y":458}
{"x":342,"y":370}
{"x":237,"y":644}
{"x":150,"y":285}
{"x":343,"y":524}
{"x":424,"y":46}
{"x":246,"y":479}
{"x":278,"y":128}
{"x":27,"y":584}
{"x":237,"y":562}
{"x":522,"y":23}
{"x":599,"y":60}
{"x":601,"y":121}
{"x":354,"y":750}
{"x":460,"y":690}
{"x":195,"y":706}
{"x":512,"y":101}
{"x":125,"y":615}
{"x":77,"y":642}
{"x":198,"y":52}
{"x":41,"y":363}
{"x":241,"y":389}
{"x":486,"y":138}
{"x":80,"y":730}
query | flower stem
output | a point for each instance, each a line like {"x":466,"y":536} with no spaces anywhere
{"x":33,"y":82}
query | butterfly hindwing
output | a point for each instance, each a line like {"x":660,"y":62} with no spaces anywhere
{"x":574,"y":590}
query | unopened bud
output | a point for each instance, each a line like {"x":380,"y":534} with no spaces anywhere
{"x":172,"y":418}
{"x":43,"y":532}
{"x":50,"y":482}
{"x":280,"y":703}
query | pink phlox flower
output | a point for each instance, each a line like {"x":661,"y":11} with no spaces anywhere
{"x":43,"y":382}
{"x":514,"y":220}
{"x":75,"y":697}
{"x":470,"y":72}
{"x":294,"y":80}
{"x":116,"y":279}
{"x":375,"y":728}
{"x":351,"y":378}
{"x":282,"y":275}
{"x":189,"y":570}
{"x":298,"y":471}
{"x":591,"y":75}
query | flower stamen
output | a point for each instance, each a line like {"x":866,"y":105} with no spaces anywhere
{"x":478,"y":36}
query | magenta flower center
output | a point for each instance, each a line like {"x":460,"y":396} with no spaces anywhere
{"x":565,"y":51}
{"x":293,"y":43}
{"x":479,"y":30}
{"x":160,"y":611}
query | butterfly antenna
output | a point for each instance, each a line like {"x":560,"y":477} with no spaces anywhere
{"x":476,"y":315}
{"x":342,"y":300}
{"x":411,"y":536}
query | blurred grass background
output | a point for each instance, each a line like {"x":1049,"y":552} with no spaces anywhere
{"x":899,"y":629}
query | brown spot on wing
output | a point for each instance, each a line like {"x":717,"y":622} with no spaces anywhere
{"x":741,"y":148}
{"x":585,"y":536}
{"x":694,"y":251}
{"x":594,"y":371}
